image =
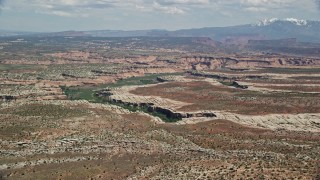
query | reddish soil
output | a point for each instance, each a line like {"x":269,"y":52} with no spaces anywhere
{"x":294,"y":88}
{"x":206,"y":96}
{"x":227,"y":135}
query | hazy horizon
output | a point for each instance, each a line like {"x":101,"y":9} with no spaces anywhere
{"x":66,"y":15}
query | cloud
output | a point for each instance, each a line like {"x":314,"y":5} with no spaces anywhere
{"x":182,"y":2}
{"x":259,"y":6}
{"x":168,"y":9}
{"x":268,"y":3}
{"x":81,"y":8}
{"x":76,"y":4}
{"x":49,"y":15}
{"x":256,"y":9}
{"x":70,"y":8}
{"x":76,"y":8}
{"x":176,"y":7}
{"x":317,"y":3}
{"x":61,"y":13}
{"x":1,"y":5}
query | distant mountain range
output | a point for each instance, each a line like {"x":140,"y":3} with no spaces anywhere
{"x":302,"y":30}
{"x":269,"y":29}
{"x":6,"y":33}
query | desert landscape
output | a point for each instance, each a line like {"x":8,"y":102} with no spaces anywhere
{"x":155,"y":108}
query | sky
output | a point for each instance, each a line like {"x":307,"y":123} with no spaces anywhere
{"x":64,"y":15}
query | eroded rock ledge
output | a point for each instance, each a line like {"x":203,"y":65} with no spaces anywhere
{"x":122,"y":96}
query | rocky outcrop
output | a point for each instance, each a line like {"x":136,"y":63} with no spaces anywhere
{"x":214,"y":76}
{"x":179,"y":115}
{"x":152,"y":104}
{"x":225,"y":76}
{"x":8,"y":98}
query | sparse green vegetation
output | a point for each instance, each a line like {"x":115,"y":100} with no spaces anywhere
{"x":87,"y":93}
{"x":45,"y":111}
{"x":80,"y":93}
{"x":8,"y":67}
{"x":143,"y":80}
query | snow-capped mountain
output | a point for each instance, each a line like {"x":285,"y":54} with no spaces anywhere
{"x":298,"y":22}
{"x":269,"y":29}
{"x":266,"y":22}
